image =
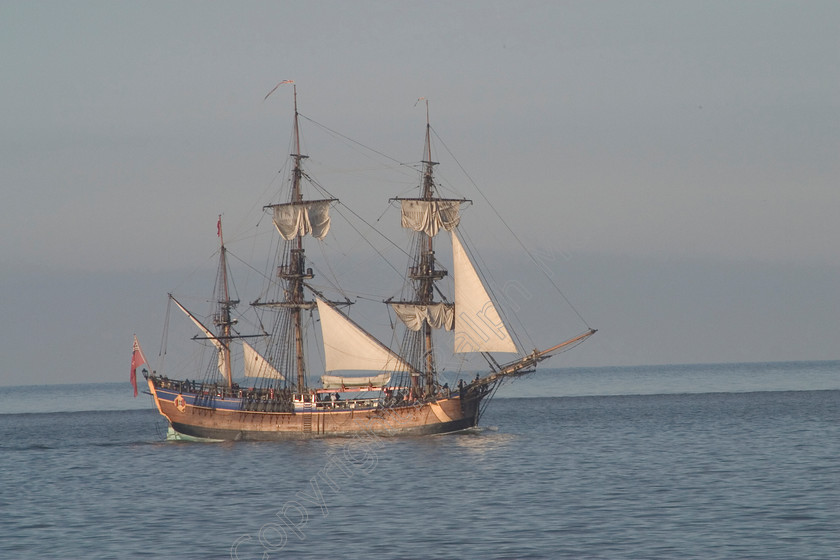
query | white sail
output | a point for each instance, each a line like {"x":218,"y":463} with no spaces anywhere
{"x":349,"y":347}
{"x":478,"y":326}
{"x":438,"y":315}
{"x":256,"y":365}
{"x":223,"y":361}
{"x":301,"y":218}
{"x":341,"y":382}
{"x":430,"y":216}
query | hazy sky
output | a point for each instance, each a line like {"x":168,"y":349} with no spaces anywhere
{"x":677,"y":161}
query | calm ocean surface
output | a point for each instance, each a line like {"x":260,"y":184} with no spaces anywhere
{"x":702,"y":461}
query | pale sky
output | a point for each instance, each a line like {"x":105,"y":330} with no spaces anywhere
{"x":676,"y":161}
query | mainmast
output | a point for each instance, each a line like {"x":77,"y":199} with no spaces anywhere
{"x":293,"y":220}
{"x":297,"y":260}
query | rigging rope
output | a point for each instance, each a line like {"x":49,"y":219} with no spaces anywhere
{"x":328,"y":129}
{"x":518,"y":240}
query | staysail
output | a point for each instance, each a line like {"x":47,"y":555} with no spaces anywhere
{"x":349,"y":347}
{"x":257,"y":366}
{"x":478,"y":326}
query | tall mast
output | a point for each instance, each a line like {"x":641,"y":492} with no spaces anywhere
{"x":426,"y":291}
{"x":297,"y":260}
{"x":423,"y":273}
{"x":426,"y":215}
{"x":222,"y":318}
{"x":294,"y":219}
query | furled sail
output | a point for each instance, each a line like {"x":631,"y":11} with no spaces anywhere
{"x":438,"y":315}
{"x":340,"y":382}
{"x":301,"y":218}
{"x":257,"y":366}
{"x":430,"y":216}
{"x":224,"y":362}
{"x":478,"y":326}
{"x":349,"y":347}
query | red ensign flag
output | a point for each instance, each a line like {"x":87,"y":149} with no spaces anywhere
{"x":137,"y":360}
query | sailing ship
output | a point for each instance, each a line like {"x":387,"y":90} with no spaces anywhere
{"x":400,"y":391}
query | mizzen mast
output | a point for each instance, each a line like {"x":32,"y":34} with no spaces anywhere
{"x":222,"y":317}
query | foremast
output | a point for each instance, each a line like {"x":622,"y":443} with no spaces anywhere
{"x":425,"y":215}
{"x":478,"y":327}
{"x":427,"y":274}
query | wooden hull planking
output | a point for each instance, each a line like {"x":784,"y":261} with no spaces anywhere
{"x":435,"y":417}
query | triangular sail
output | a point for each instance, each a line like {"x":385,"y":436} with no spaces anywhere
{"x":478,"y":326}
{"x":349,"y":347}
{"x":224,"y":363}
{"x":257,"y":366}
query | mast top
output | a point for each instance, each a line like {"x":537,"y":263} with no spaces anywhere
{"x":427,"y":151}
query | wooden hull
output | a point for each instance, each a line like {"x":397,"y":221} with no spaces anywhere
{"x":216,"y":423}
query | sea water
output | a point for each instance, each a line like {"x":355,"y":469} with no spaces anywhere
{"x":705,"y":461}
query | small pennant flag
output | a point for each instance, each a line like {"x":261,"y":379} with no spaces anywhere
{"x":277,"y":86}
